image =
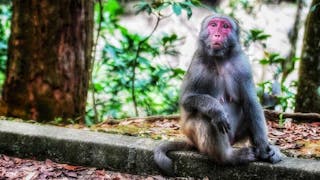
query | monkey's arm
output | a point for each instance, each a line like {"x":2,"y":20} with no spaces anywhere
{"x":208,"y":106}
{"x":258,"y":127}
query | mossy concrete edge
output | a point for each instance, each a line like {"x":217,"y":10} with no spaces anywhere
{"x":132,"y":154}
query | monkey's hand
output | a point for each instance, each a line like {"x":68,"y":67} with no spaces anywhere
{"x":221,"y":122}
{"x":269,"y":154}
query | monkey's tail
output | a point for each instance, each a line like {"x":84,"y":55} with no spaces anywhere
{"x":163,"y":161}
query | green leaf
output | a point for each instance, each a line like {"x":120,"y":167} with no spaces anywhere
{"x":275,"y":58}
{"x":176,"y":9}
{"x":263,"y":36}
{"x":113,"y":7}
{"x":162,"y":6}
{"x":318,"y":91}
{"x":172,"y":52}
{"x":189,"y":12}
{"x":88,"y":121}
{"x":143,"y":6}
{"x":186,"y":6}
{"x":257,"y":34}
{"x":196,"y":2}
{"x":264,"y":61}
{"x":169,"y":38}
{"x":98,"y":87}
{"x":3,"y":45}
{"x":144,"y":62}
{"x":295,"y":59}
{"x":314,"y":7}
{"x":178,"y":71}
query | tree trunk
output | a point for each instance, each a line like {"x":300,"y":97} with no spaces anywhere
{"x":308,"y":96}
{"x":49,"y":59}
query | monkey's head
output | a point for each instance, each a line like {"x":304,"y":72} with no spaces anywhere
{"x":219,"y":35}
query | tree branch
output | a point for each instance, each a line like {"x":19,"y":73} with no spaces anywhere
{"x":270,"y":116}
{"x":304,"y":117}
{"x":133,"y":93}
{"x":94,"y":103}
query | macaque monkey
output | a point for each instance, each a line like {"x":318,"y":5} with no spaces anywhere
{"x":219,"y":105}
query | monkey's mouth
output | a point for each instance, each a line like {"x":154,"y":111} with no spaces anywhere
{"x":216,"y":45}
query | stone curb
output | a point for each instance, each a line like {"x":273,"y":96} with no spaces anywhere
{"x":133,"y":154}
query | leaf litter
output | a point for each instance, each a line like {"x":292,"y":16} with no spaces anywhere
{"x":13,"y":168}
{"x":294,"y":139}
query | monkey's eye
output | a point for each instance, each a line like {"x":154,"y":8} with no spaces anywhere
{"x":226,"y":26}
{"x":214,"y":24}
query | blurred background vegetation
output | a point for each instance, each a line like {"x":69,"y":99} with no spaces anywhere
{"x":138,"y":73}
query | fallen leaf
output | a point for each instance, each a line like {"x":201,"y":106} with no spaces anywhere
{"x":71,"y":174}
{"x":48,"y":162}
{"x":277,"y":133}
{"x":69,"y":167}
{"x":6,"y":158}
{"x":32,"y":175}
{"x":315,"y":124}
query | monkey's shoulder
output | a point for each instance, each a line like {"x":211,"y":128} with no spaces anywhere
{"x":241,"y":67}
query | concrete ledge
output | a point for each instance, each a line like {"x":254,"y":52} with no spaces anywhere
{"x":133,"y":154}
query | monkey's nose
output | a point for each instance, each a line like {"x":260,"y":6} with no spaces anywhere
{"x":217,"y":35}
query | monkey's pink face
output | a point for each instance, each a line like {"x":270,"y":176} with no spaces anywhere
{"x":219,"y":29}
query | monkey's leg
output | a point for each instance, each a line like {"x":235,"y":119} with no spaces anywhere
{"x":209,"y":140}
{"x":257,"y":124}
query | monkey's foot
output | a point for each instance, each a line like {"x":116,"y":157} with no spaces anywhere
{"x":244,"y":155}
{"x":270,"y":154}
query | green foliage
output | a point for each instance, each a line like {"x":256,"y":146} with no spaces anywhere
{"x":59,"y":120}
{"x":5,"y":16}
{"x":281,"y":120}
{"x":314,"y":7}
{"x":272,"y":58}
{"x":247,"y":5}
{"x":279,"y":62}
{"x":128,"y":75}
{"x":255,"y":35}
{"x":285,"y":100}
{"x":155,"y":6}
{"x":318,"y":91}
{"x":264,"y":87}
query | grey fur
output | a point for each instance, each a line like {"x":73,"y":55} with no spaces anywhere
{"x":219,"y":104}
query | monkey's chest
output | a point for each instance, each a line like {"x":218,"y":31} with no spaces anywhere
{"x":225,"y":89}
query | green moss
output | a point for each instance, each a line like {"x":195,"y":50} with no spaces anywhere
{"x":130,"y":130}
